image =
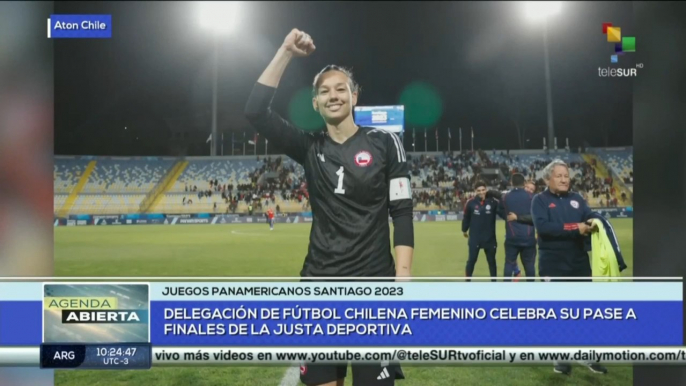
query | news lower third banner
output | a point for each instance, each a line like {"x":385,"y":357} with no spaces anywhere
{"x":134,"y":325}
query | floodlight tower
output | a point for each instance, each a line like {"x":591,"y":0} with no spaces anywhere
{"x":541,"y":11}
{"x":220,"y":19}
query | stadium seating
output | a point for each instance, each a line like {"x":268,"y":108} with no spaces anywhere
{"x":227,"y":171}
{"x":424,"y":172}
{"x":119,"y":185}
{"x":174,"y":203}
{"x":200,"y":172}
{"x":67,"y":172}
{"x":621,"y":161}
{"x":59,"y":201}
{"x":107,"y":204}
{"x":524,"y":161}
{"x":299,"y":173}
{"x":234,"y":171}
{"x":132,"y":176}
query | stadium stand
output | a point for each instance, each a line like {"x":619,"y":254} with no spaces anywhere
{"x":126,"y":176}
{"x":67,"y":172}
{"x":59,"y":201}
{"x":199,"y":173}
{"x":531,"y":165}
{"x":101,"y":204}
{"x":440,"y":170}
{"x":115,"y":186}
{"x":444,"y":181}
{"x":621,"y":161}
{"x":237,"y":179}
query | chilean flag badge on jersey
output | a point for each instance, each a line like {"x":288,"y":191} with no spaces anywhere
{"x":363,"y":159}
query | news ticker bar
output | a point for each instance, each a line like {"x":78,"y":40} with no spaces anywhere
{"x":427,"y":356}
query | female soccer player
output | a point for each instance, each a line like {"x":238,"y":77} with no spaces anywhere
{"x":356,"y":176}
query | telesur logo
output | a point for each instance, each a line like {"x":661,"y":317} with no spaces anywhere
{"x":622,"y":45}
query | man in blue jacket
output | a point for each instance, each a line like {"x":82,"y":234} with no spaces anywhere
{"x":528,"y":255}
{"x":520,"y":236}
{"x":562,"y":220}
{"x":478,"y":225}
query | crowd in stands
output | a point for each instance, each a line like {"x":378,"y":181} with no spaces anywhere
{"x":439,"y":181}
{"x":621,"y":161}
{"x":274,"y":177}
{"x":462,"y":170}
{"x":446,"y":168}
{"x":583,"y":178}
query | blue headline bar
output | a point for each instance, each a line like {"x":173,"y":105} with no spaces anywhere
{"x":561,"y":323}
{"x":655,"y":323}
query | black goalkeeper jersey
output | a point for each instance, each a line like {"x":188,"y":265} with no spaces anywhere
{"x":350,"y":188}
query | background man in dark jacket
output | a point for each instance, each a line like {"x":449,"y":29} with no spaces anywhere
{"x":520,"y":236}
{"x":478,"y":225}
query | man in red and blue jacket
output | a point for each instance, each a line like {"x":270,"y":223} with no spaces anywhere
{"x":562,"y":220}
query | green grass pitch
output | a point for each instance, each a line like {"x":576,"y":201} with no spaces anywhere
{"x":252,"y":250}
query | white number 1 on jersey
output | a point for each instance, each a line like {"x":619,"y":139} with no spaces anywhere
{"x":339,"y":189}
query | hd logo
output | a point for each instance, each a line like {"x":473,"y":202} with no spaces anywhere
{"x":86,"y":313}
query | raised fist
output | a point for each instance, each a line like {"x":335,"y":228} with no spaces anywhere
{"x":299,"y":43}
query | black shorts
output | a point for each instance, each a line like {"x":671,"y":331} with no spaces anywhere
{"x":363,"y":374}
